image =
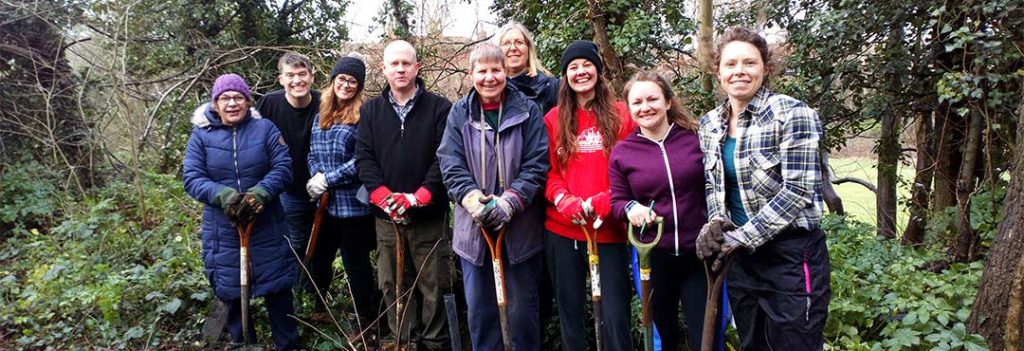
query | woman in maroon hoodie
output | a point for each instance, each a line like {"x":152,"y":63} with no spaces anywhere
{"x":660,"y":164}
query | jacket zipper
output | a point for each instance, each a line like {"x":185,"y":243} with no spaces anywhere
{"x":672,"y":191}
{"x":234,"y":156}
{"x":671,"y":185}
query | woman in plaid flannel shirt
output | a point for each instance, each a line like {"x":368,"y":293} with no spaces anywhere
{"x":348,"y":224}
{"x":763,"y":187}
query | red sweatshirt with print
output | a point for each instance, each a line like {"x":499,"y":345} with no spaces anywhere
{"x":585,"y":175}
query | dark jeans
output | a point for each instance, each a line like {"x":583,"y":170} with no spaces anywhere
{"x":675,"y":280}
{"x":522,"y":303}
{"x":298,"y":213}
{"x":282,"y":326}
{"x":426,"y":278}
{"x":768,"y":291}
{"x":567,"y":263}
{"x":356,"y":239}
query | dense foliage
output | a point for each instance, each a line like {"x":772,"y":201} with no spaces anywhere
{"x":91,"y":273}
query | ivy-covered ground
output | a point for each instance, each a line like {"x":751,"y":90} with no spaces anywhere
{"x":120,"y":269}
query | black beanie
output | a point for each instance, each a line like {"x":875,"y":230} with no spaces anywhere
{"x":581,"y":49}
{"x":351,"y":66}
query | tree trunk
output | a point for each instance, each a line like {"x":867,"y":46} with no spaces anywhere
{"x":966,"y":238}
{"x":948,"y":125}
{"x":914,"y":233}
{"x":402,"y":28}
{"x":613,"y":69}
{"x":888,"y":158}
{"x":947,"y":159}
{"x":889,"y":148}
{"x":828,"y":193}
{"x":997,"y":311}
{"x":704,"y":44}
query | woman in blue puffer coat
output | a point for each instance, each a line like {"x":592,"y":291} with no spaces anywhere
{"x":236,"y":164}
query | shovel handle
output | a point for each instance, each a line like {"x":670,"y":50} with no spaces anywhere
{"x":318,"y":218}
{"x":244,"y":233}
{"x":494,"y":245}
{"x":715,"y":282}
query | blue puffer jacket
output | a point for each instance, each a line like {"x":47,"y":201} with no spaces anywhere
{"x":524,"y":143}
{"x":247,"y":155}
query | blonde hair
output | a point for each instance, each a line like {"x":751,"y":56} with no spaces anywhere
{"x":533,"y":65}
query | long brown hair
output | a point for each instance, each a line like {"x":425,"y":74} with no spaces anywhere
{"x":676,"y":113}
{"x":333,"y":110}
{"x":603,"y":105}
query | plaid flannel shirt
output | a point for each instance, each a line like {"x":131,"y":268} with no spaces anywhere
{"x":777,"y":166}
{"x":332,"y":152}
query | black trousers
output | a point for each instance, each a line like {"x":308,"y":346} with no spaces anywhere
{"x":780,"y":293}
{"x":678,"y":280}
{"x":356,"y":238}
{"x":282,"y":326}
{"x":567,"y":263}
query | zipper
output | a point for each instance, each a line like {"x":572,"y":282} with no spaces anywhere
{"x":234,"y":156}
{"x":672,"y":191}
{"x":807,"y":288}
{"x":671,"y":184}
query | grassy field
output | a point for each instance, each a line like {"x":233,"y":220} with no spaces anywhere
{"x":858,"y":201}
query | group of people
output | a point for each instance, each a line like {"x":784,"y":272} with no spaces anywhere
{"x":537,"y":167}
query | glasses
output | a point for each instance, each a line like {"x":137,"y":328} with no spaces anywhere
{"x":347,"y":82}
{"x":518,"y":43}
{"x":226,"y":100}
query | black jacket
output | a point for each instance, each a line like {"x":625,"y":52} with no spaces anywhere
{"x":403,"y":157}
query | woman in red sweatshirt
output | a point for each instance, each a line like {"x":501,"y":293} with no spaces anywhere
{"x":582,"y":129}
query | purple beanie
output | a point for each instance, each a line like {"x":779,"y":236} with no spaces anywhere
{"x":230,"y":82}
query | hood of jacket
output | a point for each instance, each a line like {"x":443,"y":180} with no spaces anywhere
{"x":205,"y":117}
{"x":534,"y":86}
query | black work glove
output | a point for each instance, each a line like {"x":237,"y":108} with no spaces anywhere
{"x":228,"y":199}
{"x":252,"y":204}
{"x":712,"y":237}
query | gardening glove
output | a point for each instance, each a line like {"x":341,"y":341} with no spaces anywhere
{"x":598,"y":206}
{"x":316,"y":185}
{"x":639,"y":215}
{"x":730,"y":246}
{"x":382,"y":198}
{"x":404,"y":201}
{"x":471,"y":202}
{"x":252,"y":204}
{"x":501,"y":211}
{"x":571,"y":207}
{"x":711,"y":237}
{"x":226,"y":198}
{"x":421,"y":197}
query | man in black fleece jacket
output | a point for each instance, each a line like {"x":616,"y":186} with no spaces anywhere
{"x":399,"y":133}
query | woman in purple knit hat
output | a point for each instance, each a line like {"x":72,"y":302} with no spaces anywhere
{"x":236,"y":164}
{"x":657,"y":171}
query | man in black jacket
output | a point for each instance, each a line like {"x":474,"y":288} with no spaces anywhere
{"x":399,"y":133}
{"x":292,"y":110}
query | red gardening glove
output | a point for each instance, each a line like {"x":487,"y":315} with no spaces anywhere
{"x":381,"y":197}
{"x":571,"y":207}
{"x":401,"y":202}
{"x":422,"y":196}
{"x":601,"y":205}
